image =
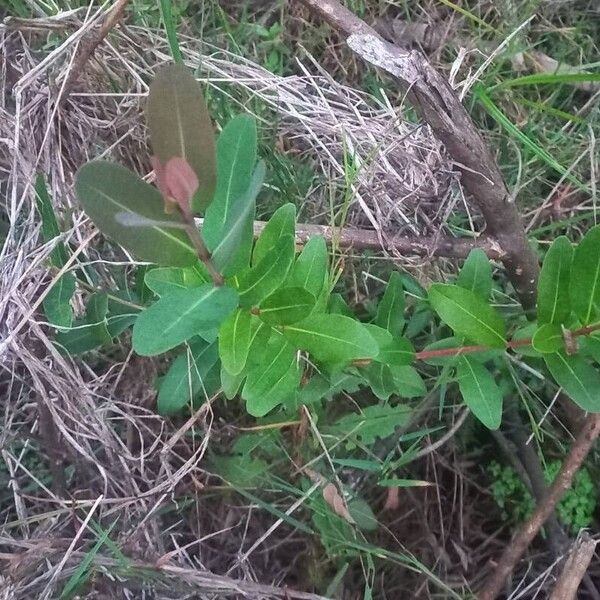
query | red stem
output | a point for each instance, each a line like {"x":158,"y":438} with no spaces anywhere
{"x":427,"y":354}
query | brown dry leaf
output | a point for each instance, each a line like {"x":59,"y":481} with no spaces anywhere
{"x":392,"y":501}
{"x":332,"y":496}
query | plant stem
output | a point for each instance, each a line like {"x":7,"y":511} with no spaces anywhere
{"x":202,"y":250}
{"x":427,"y":354}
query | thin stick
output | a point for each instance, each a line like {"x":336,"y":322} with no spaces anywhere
{"x":439,"y":106}
{"x":575,"y":568}
{"x":89,"y":44}
{"x":562,"y":482}
{"x":367,"y":239}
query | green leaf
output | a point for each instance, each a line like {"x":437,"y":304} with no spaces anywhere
{"x":121,"y":316}
{"x":332,"y":339}
{"x":525,"y":333}
{"x":310,"y":268}
{"x":590,"y":346}
{"x":50,"y":229}
{"x":476,"y":274}
{"x":372,"y":423}
{"x":577,"y":377}
{"x":390,"y":312}
{"x":479,"y":391}
{"x":231,"y":383}
{"x":265,"y":277}
{"x":338,"y":306}
{"x":96,"y":311}
{"x":235,"y":337}
{"x":240,"y":471}
{"x":585,"y":277}
{"x":132,"y":213}
{"x":229,"y":223}
{"x":362,"y":514}
{"x":164,"y":279}
{"x":180,"y":126}
{"x":380,"y":379}
{"x":548,"y":339}
{"x":392,"y":350}
{"x":408,"y":383}
{"x":553,"y":305}
{"x":467,"y":314}
{"x":398,"y":352}
{"x":57,"y":303}
{"x":232,"y":249}
{"x":88,"y":333}
{"x":275,"y":380}
{"x":281,"y":225}
{"x":187,"y":377}
{"x":179,"y":315}
{"x":287,"y":305}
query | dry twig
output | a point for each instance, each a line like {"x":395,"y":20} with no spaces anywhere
{"x":442,"y":110}
{"x":513,"y":552}
{"x":574,"y":568}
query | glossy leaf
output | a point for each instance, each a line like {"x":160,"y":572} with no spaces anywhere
{"x":274,"y":381}
{"x":228,"y":225}
{"x":585,"y":277}
{"x":109,"y":192}
{"x":187,"y":377}
{"x":310,"y":268}
{"x":548,"y":338}
{"x":235,"y":336}
{"x":553,"y":303}
{"x":577,"y":377}
{"x":281,"y":225}
{"x":57,"y":302}
{"x":286,"y":306}
{"x":179,"y":315}
{"x":180,"y":126}
{"x":265,"y":277}
{"x":332,"y":339}
{"x":390,"y":312}
{"x":479,"y":391}
{"x":476,"y":274}
{"x":164,"y":279}
{"x":467,"y":314}
{"x":232,"y":247}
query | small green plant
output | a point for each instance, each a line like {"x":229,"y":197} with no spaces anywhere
{"x":259,"y":320}
{"x":575,"y":510}
{"x":266,"y":313}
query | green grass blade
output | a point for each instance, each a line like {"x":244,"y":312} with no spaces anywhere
{"x":547,"y":79}
{"x":515,"y":132}
{"x":166,"y":11}
{"x":81,"y":573}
